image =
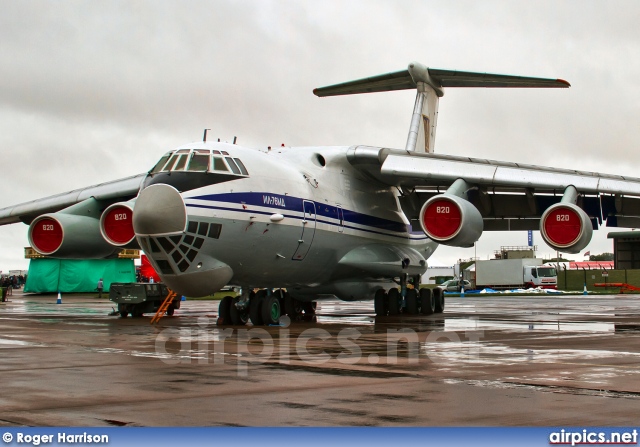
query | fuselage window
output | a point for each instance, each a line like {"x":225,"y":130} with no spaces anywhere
{"x":232,"y":165}
{"x":180,"y":164}
{"x":216,"y":152}
{"x":199,"y":161}
{"x":160,"y":164}
{"x":218,"y":164}
{"x":225,"y":153}
{"x":241,"y":166}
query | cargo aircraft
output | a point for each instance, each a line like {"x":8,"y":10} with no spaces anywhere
{"x":300,"y":224}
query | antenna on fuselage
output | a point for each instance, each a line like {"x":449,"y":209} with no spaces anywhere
{"x":235,"y":139}
{"x":204,"y":137}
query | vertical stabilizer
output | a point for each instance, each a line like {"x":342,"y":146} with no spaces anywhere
{"x":422,"y":132}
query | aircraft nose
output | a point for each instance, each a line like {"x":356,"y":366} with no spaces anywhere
{"x":159,"y":209}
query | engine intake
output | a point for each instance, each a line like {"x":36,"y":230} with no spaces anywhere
{"x":566,"y":227}
{"x":451,"y":220}
{"x":116,"y":224}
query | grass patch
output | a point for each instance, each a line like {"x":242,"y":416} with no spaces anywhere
{"x":213,"y":297}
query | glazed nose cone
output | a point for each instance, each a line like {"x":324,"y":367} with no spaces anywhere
{"x":159,"y":209}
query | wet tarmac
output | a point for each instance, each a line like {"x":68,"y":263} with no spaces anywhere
{"x":492,"y":361}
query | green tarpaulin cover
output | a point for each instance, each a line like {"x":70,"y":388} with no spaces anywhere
{"x":77,"y":275}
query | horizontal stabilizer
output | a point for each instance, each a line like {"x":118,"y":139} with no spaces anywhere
{"x":403,"y":80}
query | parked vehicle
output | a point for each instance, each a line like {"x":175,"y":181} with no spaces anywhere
{"x":455,"y":285}
{"x":515,"y":273}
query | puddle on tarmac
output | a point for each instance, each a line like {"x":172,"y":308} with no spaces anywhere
{"x":10,"y":342}
{"x":465,"y":324}
{"x":545,"y":388}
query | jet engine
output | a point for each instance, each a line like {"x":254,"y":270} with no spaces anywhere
{"x":451,"y":220}
{"x":116,"y":225}
{"x":566,"y":227}
{"x":69,"y":236}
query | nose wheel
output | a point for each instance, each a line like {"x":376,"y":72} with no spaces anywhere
{"x":263,"y":308}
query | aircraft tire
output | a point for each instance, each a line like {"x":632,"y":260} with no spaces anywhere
{"x":393,"y":299}
{"x":380,"y":303}
{"x":124,"y":314}
{"x":271,"y":310}
{"x":412,"y":301}
{"x":280,"y":294}
{"x":224,"y":311}
{"x":438,"y":297}
{"x":237,"y":317}
{"x":427,"y":303}
{"x":255,"y":308}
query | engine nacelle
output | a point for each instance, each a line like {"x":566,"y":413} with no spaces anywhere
{"x":116,"y":225}
{"x":566,"y":227}
{"x":69,"y":236}
{"x":451,"y":220}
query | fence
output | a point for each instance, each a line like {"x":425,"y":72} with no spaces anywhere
{"x":576,"y":279}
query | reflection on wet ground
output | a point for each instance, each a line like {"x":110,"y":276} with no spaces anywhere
{"x":485,"y":361}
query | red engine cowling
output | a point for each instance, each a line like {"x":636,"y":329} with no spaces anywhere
{"x":566,"y":227}
{"x":64,"y":235}
{"x":451,"y":220}
{"x":116,"y":225}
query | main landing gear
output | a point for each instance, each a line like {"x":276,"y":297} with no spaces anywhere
{"x":422,"y":301}
{"x":264,"y":307}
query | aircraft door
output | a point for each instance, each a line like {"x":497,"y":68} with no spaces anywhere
{"x":308,"y":230}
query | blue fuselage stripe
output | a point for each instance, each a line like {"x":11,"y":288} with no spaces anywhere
{"x":281,"y":204}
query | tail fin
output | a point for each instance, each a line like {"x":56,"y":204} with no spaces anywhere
{"x":430,"y":82}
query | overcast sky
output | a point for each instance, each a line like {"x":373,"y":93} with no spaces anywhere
{"x":95,"y":91}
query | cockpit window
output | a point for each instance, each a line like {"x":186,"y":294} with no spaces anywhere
{"x":199,"y":161}
{"x":232,"y":165}
{"x":172,"y":161}
{"x":218,"y":164}
{"x":160,"y":164}
{"x":181,"y":163}
{"x":241,"y":166}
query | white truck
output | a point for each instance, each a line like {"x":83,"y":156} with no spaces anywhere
{"x":514,"y":273}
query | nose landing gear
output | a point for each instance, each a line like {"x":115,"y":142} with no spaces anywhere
{"x":263,"y":308}
{"x":413,"y":301}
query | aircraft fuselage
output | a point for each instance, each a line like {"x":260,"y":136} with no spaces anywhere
{"x":302,"y":218}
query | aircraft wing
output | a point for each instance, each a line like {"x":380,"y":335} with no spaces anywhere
{"x":109,"y":192}
{"x":510,"y":196}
